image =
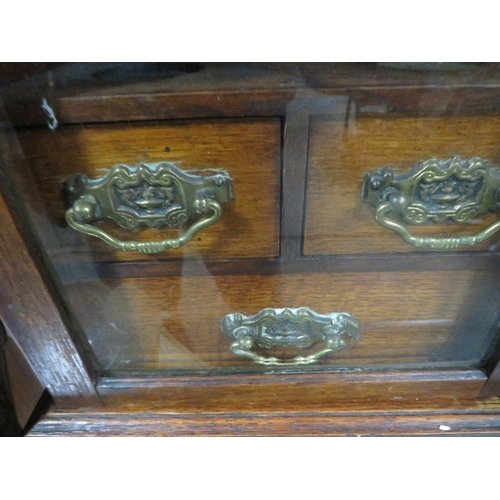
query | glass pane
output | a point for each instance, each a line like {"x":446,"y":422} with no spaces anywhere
{"x":296,"y":273}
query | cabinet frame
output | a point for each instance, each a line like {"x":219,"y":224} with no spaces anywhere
{"x":337,"y":403}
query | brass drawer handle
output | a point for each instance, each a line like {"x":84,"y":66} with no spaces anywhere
{"x":155,"y":195}
{"x":287,"y":327}
{"x":453,"y":190}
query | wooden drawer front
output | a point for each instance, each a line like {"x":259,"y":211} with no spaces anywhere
{"x":248,"y":149}
{"x":341,"y":153}
{"x":173,"y":323}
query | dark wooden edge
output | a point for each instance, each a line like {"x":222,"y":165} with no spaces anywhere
{"x":9,"y":425}
{"x":27,"y":391}
{"x":31,"y":315}
{"x":299,"y":377}
{"x":481,"y":423}
{"x":381,"y":101}
{"x":283,"y":392}
{"x":492,"y":386}
{"x":28,"y":309}
{"x":231,"y":406}
{"x":295,"y":149}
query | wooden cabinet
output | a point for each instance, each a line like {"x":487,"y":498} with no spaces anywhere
{"x":136,"y":343}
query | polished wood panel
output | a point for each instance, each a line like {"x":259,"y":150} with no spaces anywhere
{"x":390,"y":403}
{"x":29,"y":312}
{"x":343,"y":149}
{"x":248,"y":149}
{"x":173,"y":323}
{"x":196,"y":424}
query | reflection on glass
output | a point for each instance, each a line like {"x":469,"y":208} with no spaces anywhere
{"x":297,"y":142}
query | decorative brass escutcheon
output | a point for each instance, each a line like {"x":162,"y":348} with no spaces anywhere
{"x":454,"y":190}
{"x":154,"y":195}
{"x":299,"y":328}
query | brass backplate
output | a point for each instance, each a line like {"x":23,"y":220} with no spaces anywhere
{"x":289,"y":328}
{"x":434,"y":191}
{"x":155,"y":195}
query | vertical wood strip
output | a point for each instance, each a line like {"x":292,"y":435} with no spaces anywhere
{"x":296,"y":138}
{"x":295,"y":158}
{"x":28,"y":309}
{"x":32,"y":317}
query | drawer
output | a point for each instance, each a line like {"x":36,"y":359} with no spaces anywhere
{"x":406,"y":319}
{"x":249,"y":150}
{"x":342,"y":151}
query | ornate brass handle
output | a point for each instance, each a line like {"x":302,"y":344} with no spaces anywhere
{"x":435,"y":191}
{"x":289,"y":328}
{"x":155,"y":195}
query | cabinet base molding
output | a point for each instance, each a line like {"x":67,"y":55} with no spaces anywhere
{"x":480,"y":422}
{"x":308,"y":404}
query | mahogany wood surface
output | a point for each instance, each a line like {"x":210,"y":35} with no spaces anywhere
{"x":29,"y":312}
{"x":390,"y":403}
{"x":295,"y":391}
{"x":27,"y":307}
{"x":459,"y":423}
{"x":248,"y":149}
{"x":342,"y":149}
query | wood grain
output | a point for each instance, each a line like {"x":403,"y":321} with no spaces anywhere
{"x":235,"y":90}
{"x":263,"y":425}
{"x":29,"y":312}
{"x":26,"y":305}
{"x":196,"y":424}
{"x":391,"y":403}
{"x":26,"y":388}
{"x":295,"y":392}
{"x":248,"y":149}
{"x":344,"y":148}
{"x":173,"y":323}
